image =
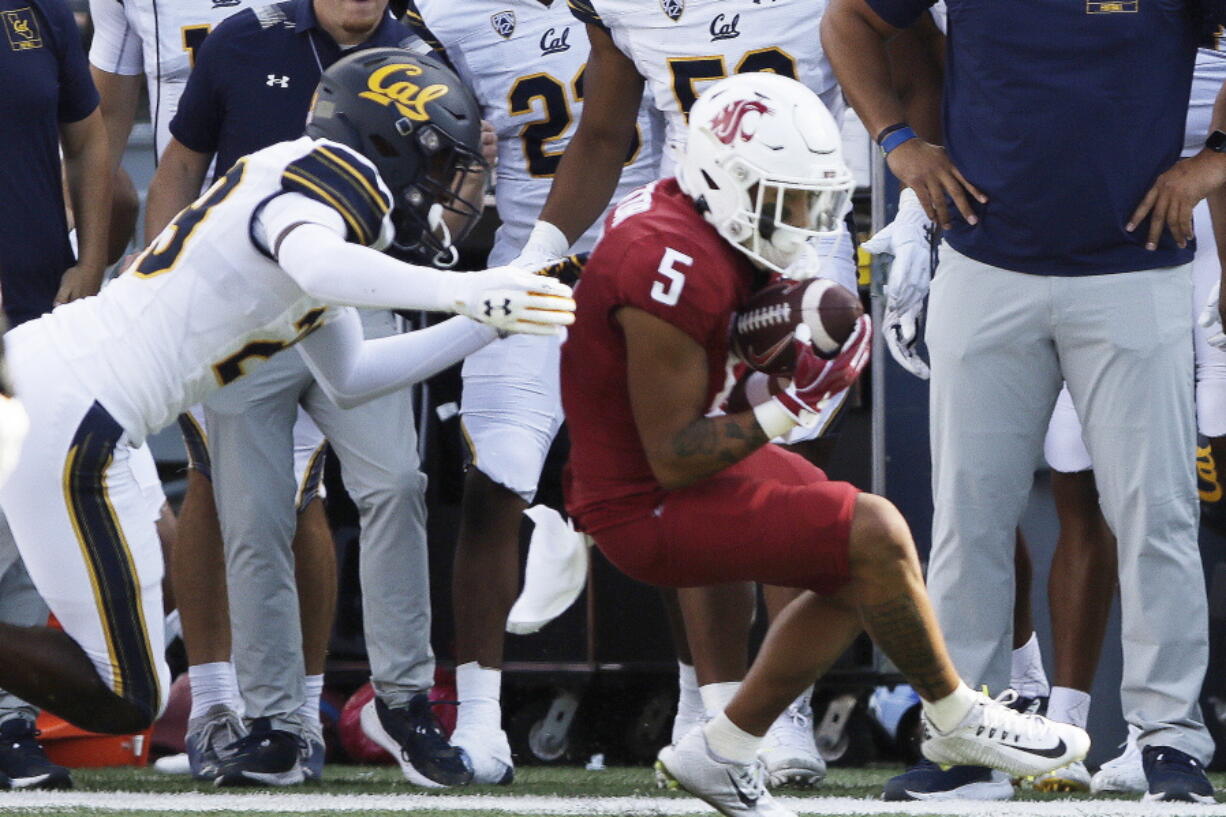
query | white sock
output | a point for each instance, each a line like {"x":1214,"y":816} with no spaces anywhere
{"x":949,"y":711}
{"x":313,"y":686}
{"x":479,"y":690}
{"x":689,"y":700}
{"x":716,"y":696}
{"x":212,"y":684}
{"x":1027,"y":675}
{"x":731,"y":743}
{"x":1068,"y":705}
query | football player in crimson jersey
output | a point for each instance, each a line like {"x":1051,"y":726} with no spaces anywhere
{"x":676,"y":50}
{"x":675,"y":496}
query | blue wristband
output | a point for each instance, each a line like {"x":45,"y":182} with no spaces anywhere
{"x":896,"y":137}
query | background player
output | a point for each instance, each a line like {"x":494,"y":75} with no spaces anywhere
{"x":100,"y":381}
{"x":526,"y":66}
{"x":161,"y":40}
{"x":669,"y":492}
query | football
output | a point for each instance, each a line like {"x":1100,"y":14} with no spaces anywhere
{"x":762,"y":330}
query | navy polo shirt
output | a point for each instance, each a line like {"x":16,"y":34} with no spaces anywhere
{"x":1063,"y":112}
{"x":254,"y":78}
{"x":44,"y":82}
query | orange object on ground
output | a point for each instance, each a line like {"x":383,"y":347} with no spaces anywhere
{"x":76,"y":748}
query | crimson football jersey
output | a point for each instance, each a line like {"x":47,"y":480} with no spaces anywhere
{"x":658,"y":254}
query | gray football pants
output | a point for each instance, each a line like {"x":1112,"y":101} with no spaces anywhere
{"x":250,"y":437}
{"x":20,"y":604}
{"x":1001,"y":343}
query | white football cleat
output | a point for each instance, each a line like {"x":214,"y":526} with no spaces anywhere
{"x":789,"y":751}
{"x":1070,"y":778}
{"x":489,"y":753}
{"x":1124,"y":774}
{"x":992,"y":734}
{"x":732,"y":789}
{"x":555,"y":575}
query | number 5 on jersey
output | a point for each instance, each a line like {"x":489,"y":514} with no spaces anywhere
{"x":668,"y":291}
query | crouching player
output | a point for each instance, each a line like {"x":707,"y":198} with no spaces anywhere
{"x":276,"y":253}
{"x":675,"y":497}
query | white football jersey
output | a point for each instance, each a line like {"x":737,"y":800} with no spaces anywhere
{"x":682,"y":46}
{"x":524,"y":62}
{"x":159,"y":38}
{"x":203,"y":304}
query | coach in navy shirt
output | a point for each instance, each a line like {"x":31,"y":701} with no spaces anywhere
{"x":46,"y":95}
{"x":1060,"y":116}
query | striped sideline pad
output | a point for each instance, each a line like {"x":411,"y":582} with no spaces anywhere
{"x":179,"y":802}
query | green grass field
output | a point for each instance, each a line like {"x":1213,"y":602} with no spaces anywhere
{"x":551,"y":790}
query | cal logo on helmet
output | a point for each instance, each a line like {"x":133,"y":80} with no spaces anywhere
{"x":503,"y":23}
{"x":673,"y":8}
{"x":387,"y":86}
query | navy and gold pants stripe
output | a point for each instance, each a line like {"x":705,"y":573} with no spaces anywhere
{"x":108,"y":559}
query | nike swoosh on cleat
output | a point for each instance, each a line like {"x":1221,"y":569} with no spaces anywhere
{"x":1055,"y":751}
{"x":746,"y":800}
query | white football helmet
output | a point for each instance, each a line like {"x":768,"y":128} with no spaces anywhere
{"x":764,"y":162}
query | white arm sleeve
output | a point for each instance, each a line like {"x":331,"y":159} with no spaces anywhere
{"x":308,"y":240}
{"x":352,"y":370}
{"x":116,"y":47}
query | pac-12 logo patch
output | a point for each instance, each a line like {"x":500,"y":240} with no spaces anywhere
{"x":21,"y":26}
{"x":673,"y":8}
{"x":503,"y":23}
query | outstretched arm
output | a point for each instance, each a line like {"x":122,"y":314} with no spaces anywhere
{"x":306,"y":238}
{"x":352,"y":370}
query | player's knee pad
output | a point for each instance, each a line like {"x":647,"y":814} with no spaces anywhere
{"x":1063,"y":447}
{"x":509,"y":424}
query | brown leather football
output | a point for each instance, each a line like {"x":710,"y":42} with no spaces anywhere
{"x":762,"y":331}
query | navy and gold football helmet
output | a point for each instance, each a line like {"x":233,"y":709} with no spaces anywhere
{"x":412,"y":117}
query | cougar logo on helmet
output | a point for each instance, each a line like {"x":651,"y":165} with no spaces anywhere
{"x":729,"y":124}
{"x":408,"y":97}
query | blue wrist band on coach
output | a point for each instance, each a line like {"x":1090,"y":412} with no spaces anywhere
{"x":896,"y":137}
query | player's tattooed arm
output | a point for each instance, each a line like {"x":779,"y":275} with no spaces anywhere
{"x":718,"y":441}
{"x":667,"y":378}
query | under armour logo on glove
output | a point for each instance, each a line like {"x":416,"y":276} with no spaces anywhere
{"x":505,"y":307}
{"x":279,"y":82}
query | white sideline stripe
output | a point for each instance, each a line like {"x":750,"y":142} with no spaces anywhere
{"x":173,"y":802}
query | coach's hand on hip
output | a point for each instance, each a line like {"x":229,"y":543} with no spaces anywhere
{"x":926,"y":169}
{"x":1170,"y":200}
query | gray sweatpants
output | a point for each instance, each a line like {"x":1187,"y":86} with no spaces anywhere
{"x":250,"y":427}
{"x":20,"y":604}
{"x":1001,"y":343}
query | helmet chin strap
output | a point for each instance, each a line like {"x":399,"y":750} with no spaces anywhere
{"x":448,"y":256}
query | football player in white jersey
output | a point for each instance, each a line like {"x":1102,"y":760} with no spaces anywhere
{"x":160,"y":40}
{"x":676,"y":48}
{"x":101,"y":374}
{"x":525,"y":62}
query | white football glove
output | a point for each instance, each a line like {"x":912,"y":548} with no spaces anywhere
{"x":511,"y":299}
{"x":906,"y":238}
{"x":902,"y":337}
{"x":1211,"y":319}
{"x":545,"y":243}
